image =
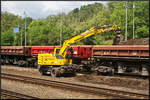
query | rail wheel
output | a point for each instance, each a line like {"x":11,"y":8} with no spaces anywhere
{"x":36,"y":64}
{"x":55,"y":73}
{"x":41,"y":70}
{"x":2,"y":61}
{"x":42,"y":73}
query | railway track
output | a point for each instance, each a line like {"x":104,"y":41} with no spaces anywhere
{"x":76,"y":87}
{"x":88,"y":73}
{"x":14,"y":95}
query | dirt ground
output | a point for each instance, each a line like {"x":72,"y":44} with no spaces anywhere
{"x":137,"y":85}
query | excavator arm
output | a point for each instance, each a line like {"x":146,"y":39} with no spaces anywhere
{"x":88,"y":33}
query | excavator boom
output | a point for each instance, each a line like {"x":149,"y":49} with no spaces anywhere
{"x":92,"y":31}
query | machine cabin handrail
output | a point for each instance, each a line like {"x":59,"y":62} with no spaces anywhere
{"x":88,"y":33}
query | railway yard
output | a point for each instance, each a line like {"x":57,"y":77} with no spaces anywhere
{"x":75,"y":50}
{"x":28,"y":83}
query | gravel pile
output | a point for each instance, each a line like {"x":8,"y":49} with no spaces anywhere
{"x":141,"y":84}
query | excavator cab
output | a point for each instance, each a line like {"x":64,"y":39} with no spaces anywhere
{"x":56,"y":51}
{"x":53,"y":59}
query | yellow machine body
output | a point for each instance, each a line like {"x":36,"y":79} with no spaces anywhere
{"x":53,"y":59}
{"x":59,"y":57}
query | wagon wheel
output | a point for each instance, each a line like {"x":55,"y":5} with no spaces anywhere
{"x":36,"y":64}
{"x":40,"y":70}
{"x":54,"y":73}
{"x":42,"y":73}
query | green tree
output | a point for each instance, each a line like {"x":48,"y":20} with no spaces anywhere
{"x":7,"y":38}
{"x":141,"y":18}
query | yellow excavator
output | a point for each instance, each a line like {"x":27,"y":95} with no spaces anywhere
{"x":59,"y":63}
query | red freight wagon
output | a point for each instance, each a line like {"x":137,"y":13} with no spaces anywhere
{"x":78,"y":51}
{"x":125,"y":50}
{"x":35,"y":50}
{"x":15,"y":50}
{"x":127,"y":59}
{"x":82,"y":51}
{"x":19,"y":55}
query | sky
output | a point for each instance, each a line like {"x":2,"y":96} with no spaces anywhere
{"x":42,"y":9}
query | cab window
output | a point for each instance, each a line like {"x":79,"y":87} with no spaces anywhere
{"x":59,"y":57}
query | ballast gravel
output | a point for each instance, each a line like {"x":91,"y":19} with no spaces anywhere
{"x":137,"y":85}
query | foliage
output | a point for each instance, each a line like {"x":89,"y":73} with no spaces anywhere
{"x":47,"y":31}
{"x":141,"y":18}
{"x":8,"y":23}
